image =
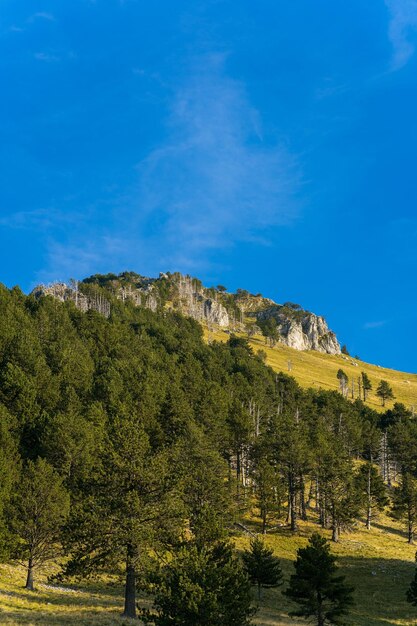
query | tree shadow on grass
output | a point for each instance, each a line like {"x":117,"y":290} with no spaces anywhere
{"x":89,"y":618}
{"x":390,"y":530}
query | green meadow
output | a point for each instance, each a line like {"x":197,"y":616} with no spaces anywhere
{"x":378,"y":563}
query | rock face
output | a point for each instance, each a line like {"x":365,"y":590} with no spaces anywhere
{"x":65,"y":293}
{"x":215,"y":306}
{"x":302,"y":330}
{"x":215,"y":313}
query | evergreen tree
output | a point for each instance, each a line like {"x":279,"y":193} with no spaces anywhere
{"x":411,"y":594}
{"x":263,"y":567}
{"x":201,"y":587}
{"x":129,"y":504}
{"x":404,"y":504}
{"x":343,"y":381}
{"x":371,"y":491}
{"x":268,"y":486}
{"x":366,"y":385}
{"x":384,"y":391}
{"x":316,"y":587}
{"x":40,"y":507}
{"x":338,"y":499}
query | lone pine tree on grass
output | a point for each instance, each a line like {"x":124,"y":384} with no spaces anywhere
{"x":41,"y":505}
{"x":263,"y":567}
{"x":320,"y":593}
{"x":366,"y":385}
{"x":384,"y":391}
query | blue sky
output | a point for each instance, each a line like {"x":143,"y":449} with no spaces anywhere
{"x":269,"y":146}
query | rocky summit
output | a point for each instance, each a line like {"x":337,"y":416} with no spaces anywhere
{"x":214,"y":306}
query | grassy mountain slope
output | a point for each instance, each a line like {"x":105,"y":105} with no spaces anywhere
{"x":378,"y":563}
{"x":318,"y":370}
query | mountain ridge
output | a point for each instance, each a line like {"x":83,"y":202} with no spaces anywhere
{"x":286,"y":323}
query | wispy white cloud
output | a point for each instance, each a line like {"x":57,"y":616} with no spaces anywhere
{"x":402,"y":30}
{"x":371,"y":325}
{"x":46,"y":57}
{"x":215,"y":180}
{"x":42,"y":15}
{"x":38,"y":219}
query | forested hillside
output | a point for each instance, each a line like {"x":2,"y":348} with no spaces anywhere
{"x":126,"y":438}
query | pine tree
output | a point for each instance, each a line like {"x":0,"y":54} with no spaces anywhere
{"x":201,"y":587}
{"x":130,"y":501}
{"x":411,"y":594}
{"x":384,"y":391}
{"x":371,"y":491}
{"x":366,"y":385}
{"x":321,"y":594}
{"x":40,"y":507}
{"x":343,"y":381}
{"x":268,"y":490}
{"x":404,"y":504}
{"x":263,"y":567}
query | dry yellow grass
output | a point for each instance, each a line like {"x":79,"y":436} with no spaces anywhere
{"x":378,"y":563}
{"x":317,"y":370}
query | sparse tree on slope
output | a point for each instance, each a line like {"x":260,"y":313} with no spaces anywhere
{"x":404,"y":505}
{"x":371,"y":491}
{"x":366,"y":385}
{"x":40,"y":508}
{"x":343,"y":382}
{"x":263,"y":567}
{"x":322,"y":595}
{"x":384,"y":391}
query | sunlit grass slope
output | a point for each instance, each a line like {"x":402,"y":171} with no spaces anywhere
{"x":378,"y":563}
{"x":317,"y":370}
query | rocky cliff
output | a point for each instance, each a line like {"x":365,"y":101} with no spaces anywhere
{"x":214,"y":306}
{"x":300,"y":329}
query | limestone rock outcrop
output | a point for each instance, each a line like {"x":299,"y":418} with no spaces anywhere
{"x":302,"y":330}
{"x":215,"y":313}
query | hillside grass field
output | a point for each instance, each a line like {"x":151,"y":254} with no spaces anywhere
{"x":378,"y":563}
{"x":317,"y":370}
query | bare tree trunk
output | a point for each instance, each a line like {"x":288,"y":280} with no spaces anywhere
{"x":368,"y":493}
{"x":130,"y":587}
{"x":292,"y":502}
{"x":303,"y":508}
{"x":29,"y":579}
{"x":410,"y":531}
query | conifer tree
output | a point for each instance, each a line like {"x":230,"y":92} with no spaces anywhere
{"x":321,"y":594}
{"x":411,"y":594}
{"x":264,"y":569}
{"x":40,"y":507}
{"x":366,"y":385}
{"x":384,"y":391}
{"x":201,"y":587}
{"x":404,"y":504}
{"x":371,"y":491}
{"x":343,"y":381}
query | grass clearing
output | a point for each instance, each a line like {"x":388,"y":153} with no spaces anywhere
{"x":318,"y":370}
{"x":378,"y":563}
